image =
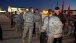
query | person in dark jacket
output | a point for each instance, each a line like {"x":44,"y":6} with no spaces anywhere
{"x":1,"y":38}
{"x":59,"y":14}
{"x":75,"y":38}
{"x":75,"y":32}
{"x":11,"y":19}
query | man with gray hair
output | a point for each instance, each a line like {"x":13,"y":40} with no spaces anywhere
{"x":28,"y":24}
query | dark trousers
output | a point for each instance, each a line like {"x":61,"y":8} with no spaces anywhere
{"x":75,"y":39}
{"x":34,"y":29}
{"x":11,"y":23}
{"x":59,"y":40}
{"x":43,"y":37}
{"x":1,"y":38}
{"x":75,"y":31}
{"x":75,"y":35}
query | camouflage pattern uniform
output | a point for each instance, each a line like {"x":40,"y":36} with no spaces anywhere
{"x":18,"y":23}
{"x":38,"y":22}
{"x":70,"y":24}
{"x":52,"y":26}
{"x":28,"y":25}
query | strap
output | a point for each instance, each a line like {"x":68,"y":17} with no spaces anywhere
{"x":48,"y":24}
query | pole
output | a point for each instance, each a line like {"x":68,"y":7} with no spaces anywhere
{"x":56,"y":3}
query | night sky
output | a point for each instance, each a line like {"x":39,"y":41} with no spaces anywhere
{"x":40,"y":4}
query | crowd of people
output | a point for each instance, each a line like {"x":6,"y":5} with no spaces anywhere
{"x":50,"y":29}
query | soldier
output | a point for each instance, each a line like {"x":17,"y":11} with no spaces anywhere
{"x":28,"y":24}
{"x":53,"y":27}
{"x":14,"y":19}
{"x":70,"y":24}
{"x":38,"y":22}
{"x":18,"y":23}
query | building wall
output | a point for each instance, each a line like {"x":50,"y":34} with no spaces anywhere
{"x":0,"y":9}
{"x":73,"y":12}
{"x":18,"y":9}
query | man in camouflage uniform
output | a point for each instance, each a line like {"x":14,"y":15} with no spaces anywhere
{"x":28,"y":24}
{"x":20,"y":21}
{"x":38,"y":22}
{"x":70,"y":24}
{"x":15,"y":19}
{"x":18,"y":18}
{"x":53,"y":27}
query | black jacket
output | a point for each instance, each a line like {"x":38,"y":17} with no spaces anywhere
{"x":1,"y":38}
{"x":0,"y":29}
{"x":62,"y":17}
{"x":75,"y":28}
